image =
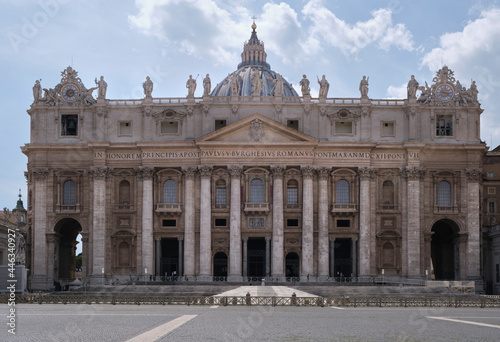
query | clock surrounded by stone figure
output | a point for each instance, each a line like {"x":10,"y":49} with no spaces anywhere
{"x":69,"y":92}
{"x":444,"y":92}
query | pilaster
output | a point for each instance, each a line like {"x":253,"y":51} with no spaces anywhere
{"x":38,"y":278}
{"x":473,"y":223}
{"x":146,"y":174}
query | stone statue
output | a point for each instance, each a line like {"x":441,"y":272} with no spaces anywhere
{"x":37,"y":91}
{"x":324,"y":86}
{"x":304,"y":86}
{"x":207,"y":85}
{"x":148,"y":87}
{"x":102,"y":86}
{"x":256,"y":82}
{"x":412,"y":87}
{"x":473,"y":91}
{"x":425,"y":96}
{"x":191,"y":86}
{"x":278,"y":84}
{"x":235,"y":81}
{"x":20,"y":249}
{"x":363,"y":87}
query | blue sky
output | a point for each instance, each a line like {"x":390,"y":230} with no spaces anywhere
{"x":125,"y":41}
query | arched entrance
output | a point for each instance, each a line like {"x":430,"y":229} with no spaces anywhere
{"x":220,"y":264}
{"x":292,"y":265}
{"x":445,"y":253}
{"x":65,"y":249}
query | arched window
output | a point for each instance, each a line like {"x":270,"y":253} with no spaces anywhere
{"x":292,"y":192}
{"x":69,"y":193}
{"x":170,"y":191}
{"x":124,"y":254}
{"x":220,"y":192}
{"x":257,"y":191}
{"x":388,"y":192}
{"x":444,"y":194}
{"x":342,"y":192}
{"x":124,"y":192}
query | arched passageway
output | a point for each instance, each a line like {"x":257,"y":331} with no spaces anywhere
{"x":445,"y":250}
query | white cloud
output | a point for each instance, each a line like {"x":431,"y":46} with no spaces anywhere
{"x":379,"y":31}
{"x":196,"y":27}
{"x":397,"y":92}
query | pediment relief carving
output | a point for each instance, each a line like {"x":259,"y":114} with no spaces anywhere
{"x":343,"y":115}
{"x":169,"y":114}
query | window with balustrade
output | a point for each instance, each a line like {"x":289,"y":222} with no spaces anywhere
{"x":170,"y":191}
{"x":69,"y":193}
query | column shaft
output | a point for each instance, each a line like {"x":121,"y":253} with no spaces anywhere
{"x":189,"y":220}
{"x":413,"y":233}
{"x":364,"y":223}
{"x":98,"y":225}
{"x":307,"y":223}
{"x":473,"y":224}
{"x":235,"y":226}
{"x":205,"y":224}
{"x":323,"y":224}
{"x":147,"y":222}
{"x":277,"y":245}
{"x":40,"y":224}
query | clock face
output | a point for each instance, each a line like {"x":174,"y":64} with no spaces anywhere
{"x":69,"y":92}
{"x":444,"y":92}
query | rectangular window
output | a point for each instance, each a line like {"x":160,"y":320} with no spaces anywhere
{"x":387,"y":129}
{"x":219,"y":124}
{"x":343,"y":127}
{"x":220,"y":222}
{"x":169,"y":223}
{"x":491,"y":174}
{"x":169,"y":127}
{"x":444,"y":126}
{"x":293,"y":124}
{"x":125,"y":128}
{"x":292,"y":222}
{"x":343,"y":223}
{"x":491,"y":207}
{"x":69,"y":125}
{"x":220,"y":196}
{"x":292,"y":196}
{"x":492,"y":190}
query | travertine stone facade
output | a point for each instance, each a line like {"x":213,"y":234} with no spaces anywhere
{"x":253,"y":180}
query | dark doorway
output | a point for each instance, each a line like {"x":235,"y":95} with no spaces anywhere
{"x":444,"y":250}
{"x":342,"y":258}
{"x":65,"y":249}
{"x":256,"y":254}
{"x":292,"y":265}
{"x":220,"y":264}
{"x":170,"y":257}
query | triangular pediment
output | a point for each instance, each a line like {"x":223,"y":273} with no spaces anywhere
{"x":256,"y":129}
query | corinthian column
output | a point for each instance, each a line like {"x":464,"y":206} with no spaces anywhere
{"x":364,"y":221}
{"x":277,"y":245}
{"x":413,"y":175}
{"x":39,"y":273}
{"x":189,"y":239}
{"x":473,"y":227}
{"x":307,"y":222}
{"x":323,"y":269}
{"x":205,"y":223}
{"x":147,"y":243}
{"x":98,"y":175}
{"x":235,"y":226}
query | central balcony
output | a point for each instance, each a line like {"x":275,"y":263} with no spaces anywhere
{"x":344,"y":209}
{"x":256,"y":208}
{"x":172,"y":209}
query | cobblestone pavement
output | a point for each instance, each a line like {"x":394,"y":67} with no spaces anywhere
{"x":58,"y":322}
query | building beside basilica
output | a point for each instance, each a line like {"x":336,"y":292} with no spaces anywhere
{"x":253,"y":180}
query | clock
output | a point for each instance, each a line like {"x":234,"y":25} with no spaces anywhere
{"x":69,"y":92}
{"x":444,"y":92}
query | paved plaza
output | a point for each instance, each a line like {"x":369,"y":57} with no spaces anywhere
{"x":265,"y":291}
{"x":133,"y":323}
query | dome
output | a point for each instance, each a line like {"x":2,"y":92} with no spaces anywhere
{"x":253,"y":67}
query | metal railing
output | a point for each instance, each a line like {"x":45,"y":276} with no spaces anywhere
{"x":457,"y":302}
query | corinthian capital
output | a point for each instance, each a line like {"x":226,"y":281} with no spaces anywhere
{"x":100,"y":172}
{"x":323,"y":173}
{"x":307,"y":171}
{"x":473,"y":175}
{"x":278,"y":171}
{"x":205,"y":171}
{"x":367,"y":173}
{"x":234,"y":171}
{"x":41,"y":173}
{"x":144,"y":172}
{"x":412,"y":173}
{"x":189,"y":172}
